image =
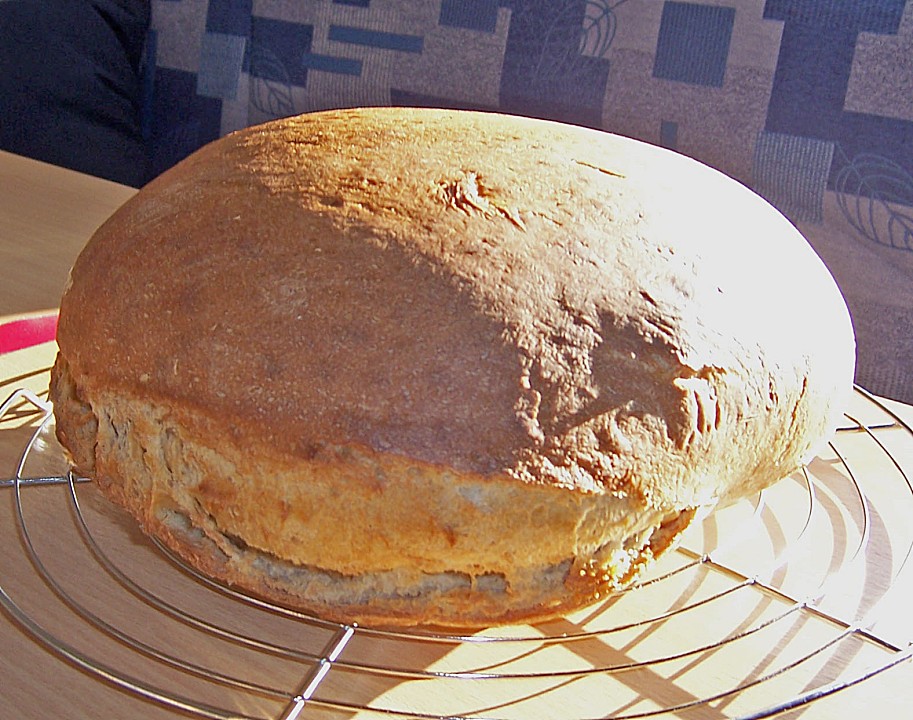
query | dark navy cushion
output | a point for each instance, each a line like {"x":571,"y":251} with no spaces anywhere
{"x":70,"y":84}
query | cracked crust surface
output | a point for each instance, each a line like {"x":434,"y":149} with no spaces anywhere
{"x":523,"y":314}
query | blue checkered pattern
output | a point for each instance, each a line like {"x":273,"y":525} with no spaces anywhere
{"x":693,"y":43}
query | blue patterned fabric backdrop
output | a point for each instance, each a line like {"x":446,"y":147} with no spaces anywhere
{"x":808,"y":102}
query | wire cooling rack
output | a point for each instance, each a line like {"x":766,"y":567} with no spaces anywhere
{"x":767,"y":608}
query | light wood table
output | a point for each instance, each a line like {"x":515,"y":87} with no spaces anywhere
{"x":769,"y":602}
{"x":47,"y":214}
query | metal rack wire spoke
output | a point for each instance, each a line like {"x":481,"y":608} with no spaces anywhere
{"x":797,"y":628}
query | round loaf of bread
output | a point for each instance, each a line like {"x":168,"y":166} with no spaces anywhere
{"x":403,"y":366}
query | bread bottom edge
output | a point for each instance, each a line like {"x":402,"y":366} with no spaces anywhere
{"x":119,"y":446}
{"x":450,"y":600}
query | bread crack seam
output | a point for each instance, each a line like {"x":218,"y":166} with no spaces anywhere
{"x":467,"y":195}
{"x":599,"y":169}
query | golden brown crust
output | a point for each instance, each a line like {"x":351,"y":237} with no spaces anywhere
{"x":533,"y":314}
